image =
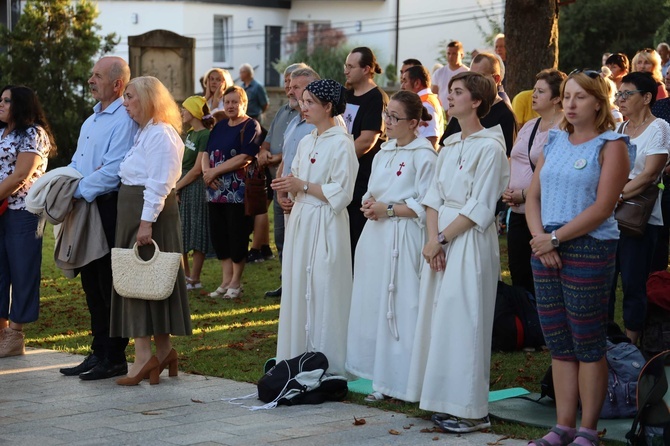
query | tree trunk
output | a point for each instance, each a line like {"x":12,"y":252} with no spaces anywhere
{"x":531,"y":40}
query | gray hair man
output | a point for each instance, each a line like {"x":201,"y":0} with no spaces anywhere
{"x":104,"y":139}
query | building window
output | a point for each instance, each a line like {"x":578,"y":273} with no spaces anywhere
{"x":222,"y":38}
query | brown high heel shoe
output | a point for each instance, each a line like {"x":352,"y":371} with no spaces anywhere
{"x":150,"y":368}
{"x":172,"y":361}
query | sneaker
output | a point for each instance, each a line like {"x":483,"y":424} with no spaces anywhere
{"x":461,"y":425}
{"x":255,"y":256}
{"x":267,"y":252}
{"x":12,"y":344}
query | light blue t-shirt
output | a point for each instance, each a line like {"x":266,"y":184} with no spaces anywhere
{"x":569,"y":180}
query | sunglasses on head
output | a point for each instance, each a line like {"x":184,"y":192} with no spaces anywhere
{"x":593,"y":74}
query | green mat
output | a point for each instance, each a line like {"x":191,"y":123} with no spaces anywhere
{"x":364,"y":386}
{"x":543,"y":414}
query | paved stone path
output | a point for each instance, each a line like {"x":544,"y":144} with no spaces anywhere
{"x":41,"y":407}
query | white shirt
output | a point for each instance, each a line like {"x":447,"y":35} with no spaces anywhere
{"x":436,"y":125}
{"x":655,"y":140}
{"x":442,"y":77}
{"x":154,"y":161}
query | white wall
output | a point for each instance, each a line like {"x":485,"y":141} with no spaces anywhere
{"x":196,"y":20}
{"x":423,"y":24}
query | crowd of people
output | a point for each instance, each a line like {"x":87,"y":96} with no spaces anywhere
{"x":403,"y":191}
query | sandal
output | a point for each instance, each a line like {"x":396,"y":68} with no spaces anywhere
{"x":595,"y":441}
{"x":190,"y":285}
{"x":564,"y":437}
{"x":233,"y":293}
{"x":219,"y":292}
{"x":376,"y":397}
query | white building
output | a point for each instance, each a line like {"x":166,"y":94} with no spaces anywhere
{"x":231,"y":32}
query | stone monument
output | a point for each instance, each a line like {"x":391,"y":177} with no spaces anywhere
{"x":166,"y":56}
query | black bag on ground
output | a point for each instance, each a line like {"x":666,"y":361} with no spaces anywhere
{"x":651,"y":425}
{"x":301,"y":380}
{"x":516,"y":324}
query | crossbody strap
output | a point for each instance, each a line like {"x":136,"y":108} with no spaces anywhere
{"x":530,"y":142}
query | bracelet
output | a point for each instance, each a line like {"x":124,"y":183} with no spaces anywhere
{"x":523,"y":195}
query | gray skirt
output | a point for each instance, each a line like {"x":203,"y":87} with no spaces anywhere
{"x":136,"y":318}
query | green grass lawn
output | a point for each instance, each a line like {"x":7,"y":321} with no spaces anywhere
{"x":233,"y":338}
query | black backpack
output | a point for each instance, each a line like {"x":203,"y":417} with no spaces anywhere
{"x":516,"y":324}
{"x":301,"y":380}
{"x":652,"y":409}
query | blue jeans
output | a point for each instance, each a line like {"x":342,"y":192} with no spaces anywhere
{"x":634,"y":256}
{"x":20,"y":266}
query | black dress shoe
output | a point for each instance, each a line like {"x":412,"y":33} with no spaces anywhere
{"x":273,"y":293}
{"x":89,"y":362}
{"x":104,"y":370}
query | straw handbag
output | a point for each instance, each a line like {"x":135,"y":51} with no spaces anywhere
{"x":152,"y":279}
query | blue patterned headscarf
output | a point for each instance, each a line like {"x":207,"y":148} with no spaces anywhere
{"x":328,"y":90}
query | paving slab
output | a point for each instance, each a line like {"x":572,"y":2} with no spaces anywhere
{"x":42,"y":407}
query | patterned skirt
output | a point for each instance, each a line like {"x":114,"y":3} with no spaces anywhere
{"x":194,"y":217}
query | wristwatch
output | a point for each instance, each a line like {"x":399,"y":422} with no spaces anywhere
{"x":305,"y":187}
{"x":441,"y":239}
{"x":389,"y":211}
{"x":554,"y":240}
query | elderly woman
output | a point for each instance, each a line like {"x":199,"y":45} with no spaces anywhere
{"x":388,"y":261}
{"x":570,"y":213}
{"x":216,"y":81}
{"x":649,"y":61}
{"x":316,"y":267}
{"x":525,"y":153}
{"x":233,"y":142}
{"x":459,"y":280}
{"x":191,"y":189}
{"x":25,"y":144}
{"x":651,"y":137}
{"x":148,"y":210}
{"x":618,"y":64}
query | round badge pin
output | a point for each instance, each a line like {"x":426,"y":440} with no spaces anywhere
{"x":580,"y":164}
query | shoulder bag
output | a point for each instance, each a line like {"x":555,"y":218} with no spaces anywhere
{"x":633,"y":214}
{"x":136,"y":278}
{"x":255,"y":189}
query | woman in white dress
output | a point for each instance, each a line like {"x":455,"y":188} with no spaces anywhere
{"x":451,"y":355}
{"x":388,"y":258}
{"x":316,"y":267}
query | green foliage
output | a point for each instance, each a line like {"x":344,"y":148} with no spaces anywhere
{"x":590,"y":28}
{"x":495,"y":27}
{"x":391,"y":72}
{"x":51,"y":50}
{"x":327,"y":61}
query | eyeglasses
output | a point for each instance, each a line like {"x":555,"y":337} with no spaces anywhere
{"x":626,"y":94}
{"x":6,"y":100}
{"x":593,"y":74}
{"x":393,"y":119}
{"x":349,"y":67}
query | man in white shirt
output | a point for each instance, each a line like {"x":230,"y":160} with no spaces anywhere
{"x":417,"y":79}
{"x":104,"y":139}
{"x":454,"y":66}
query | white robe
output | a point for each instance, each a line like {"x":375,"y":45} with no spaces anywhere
{"x":385,"y":286}
{"x":452,"y":348}
{"x":316,"y":265}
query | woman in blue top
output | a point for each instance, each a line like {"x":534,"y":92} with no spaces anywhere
{"x":232,"y":144}
{"x":570,"y":214}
